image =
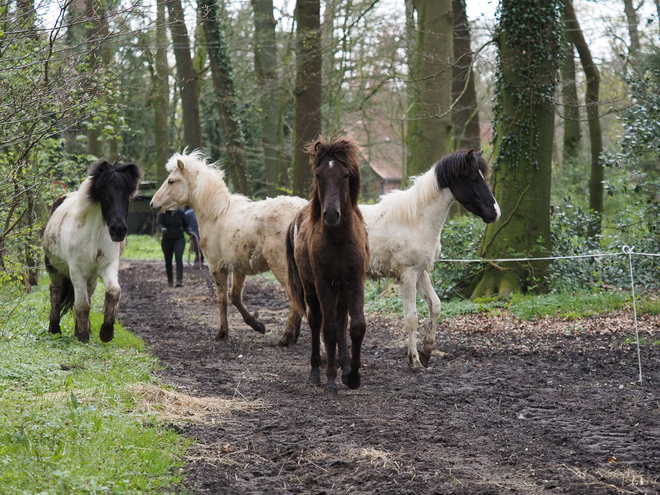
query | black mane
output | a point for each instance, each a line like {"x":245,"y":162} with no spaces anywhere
{"x":460,"y":164}
{"x":123,"y":178}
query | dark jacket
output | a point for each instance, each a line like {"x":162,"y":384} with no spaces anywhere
{"x":172,"y":224}
{"x":193,"y":226}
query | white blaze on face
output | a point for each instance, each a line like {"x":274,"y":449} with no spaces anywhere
{"x":332,"y":162}
{"x":482,"y":175}
{"x":497,"y":210}
{"x":295,"y":232}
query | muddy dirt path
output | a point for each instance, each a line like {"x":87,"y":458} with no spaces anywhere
{"x":506,"y":407}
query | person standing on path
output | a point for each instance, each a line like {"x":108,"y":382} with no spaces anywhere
{"x":193,"y":230}
{"x":172,"y":224}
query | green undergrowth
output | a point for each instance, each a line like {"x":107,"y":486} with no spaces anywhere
{"x":384,"y":296}
{"x":68,"y":417}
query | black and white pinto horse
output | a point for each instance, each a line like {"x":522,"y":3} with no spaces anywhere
{"x":83,"y":241}
{"x":404,"y":234}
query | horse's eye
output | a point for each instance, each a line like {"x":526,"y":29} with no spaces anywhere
{"x":346,"y":175}
{"x":170,"y":181}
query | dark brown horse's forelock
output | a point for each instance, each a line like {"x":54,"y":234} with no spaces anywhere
{"x":124,"y":178}
{"x":344,"y":150}
{"x":460,"y":164}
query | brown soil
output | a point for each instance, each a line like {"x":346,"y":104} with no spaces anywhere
{"x":506,"y":407}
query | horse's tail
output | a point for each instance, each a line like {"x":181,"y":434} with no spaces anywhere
{"x":294,"y":281}
{"x":68,"y":296}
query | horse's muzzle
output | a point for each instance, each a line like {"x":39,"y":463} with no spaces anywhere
{"x":332,"y":217}
{"x":117,"y":234}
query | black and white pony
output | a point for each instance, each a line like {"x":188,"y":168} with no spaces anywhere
{"x":83,"y":241}
{"x":404,"y":234}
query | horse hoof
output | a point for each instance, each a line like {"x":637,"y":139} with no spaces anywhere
{"x":353,"y":380}
{"x":83,"y":338}
{"x":222,"y":336}
{"x":331,"y":392}
{"x":260,"y":327}
{"x":106,"y":334}
{"x":344,"y":375}
{"x":315,"y":377}
{"x":285,"y":340}
{"x":56,"y":329}
{"x":424,"y":358}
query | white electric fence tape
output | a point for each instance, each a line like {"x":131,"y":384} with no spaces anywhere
{"x":625,"y":250}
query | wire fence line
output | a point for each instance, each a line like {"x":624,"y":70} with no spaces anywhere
{"x":625,"y":251}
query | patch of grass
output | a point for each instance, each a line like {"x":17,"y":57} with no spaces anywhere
{"x":68,"y":411}
{"x":147,"y":248}
{"x":566,"y":305}
{"x":384,"y":296}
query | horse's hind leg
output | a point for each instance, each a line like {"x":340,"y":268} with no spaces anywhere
{"x":315,"y":319}
{"x":425,"y":288}
{"x":292,"y":332}
{"x":112,"y":295}
{"x":220,"y":277}
{"x":408,"y":296}
{"x":237,"y":284}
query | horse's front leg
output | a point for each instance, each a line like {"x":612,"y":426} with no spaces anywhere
{"x":237,"y":284}
{"x":357,"y":331}
{"x":425,"y":288}
{"x":220,"y":276}
{"x":315,"y":319}
{"x":81,"y":308}
{"x":112,"y":295}
{"x":328,"y":300}
{"x":56,"y":293}
{"x":342,"y":319}
{"x":408,"y":297}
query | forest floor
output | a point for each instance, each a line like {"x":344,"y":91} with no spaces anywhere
{"x":507,"y":406}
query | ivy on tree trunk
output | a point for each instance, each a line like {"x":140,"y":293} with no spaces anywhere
{"x":222,"y":73}
{"x":529,"y":40}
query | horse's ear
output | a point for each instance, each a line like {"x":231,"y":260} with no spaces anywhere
{"x":469,"y":154}
{"x":480,"y":152}
{"x":180,"y":164}
{"x":317,"y":146}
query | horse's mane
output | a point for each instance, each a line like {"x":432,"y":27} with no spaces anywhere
{"x":345,"y":150}
{"x":460,"y":164}
{"x":210,"y":187}
{"x":405,"y":206}
{"x":124,"y":177}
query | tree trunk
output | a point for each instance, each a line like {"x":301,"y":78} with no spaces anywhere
{"x":161,"y":96}
{"x":466,"y":114}
{"x":94,"y":14}
{"x":186,"y":77}
{"x":223,"y":80}
{"x":524,"y":130}
{"x":633,"y":22}
{"x":265,"y":62}
{"x":308,"y":90}
{"x":593,"y":118}
{"x":572,"y":134}
{"x":429,"y":118}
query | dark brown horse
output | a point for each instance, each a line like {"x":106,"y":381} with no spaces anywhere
{"x":327,"y":257}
